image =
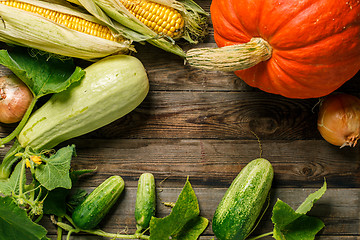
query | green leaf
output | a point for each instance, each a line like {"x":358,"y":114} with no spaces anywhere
{"x":15,"y":224}
{"x":192,"y":229}
{"x":311,"y":199}
{"x":11,"y":185}
{"x":76,"y":199}
{"x":294,"y":225}
{"x":283,"y":214}
{"x":54,"y":171}
{"x":304,"y":228}
{"x":185,"y":209}
{"x":41,"y":72}
{"x":75,"y":174}
{"x":55,"y":202}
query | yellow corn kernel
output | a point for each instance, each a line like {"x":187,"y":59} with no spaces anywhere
{"x":161,"y":19}
{"x":66,"y":20}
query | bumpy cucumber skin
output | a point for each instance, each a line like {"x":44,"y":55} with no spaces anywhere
{"x":145,"y":205}
{"x":242,"y":203}
{"x":98,"y":203}
{"x":111,"y":88}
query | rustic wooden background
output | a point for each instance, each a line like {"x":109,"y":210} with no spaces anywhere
{"x":201,"y":124}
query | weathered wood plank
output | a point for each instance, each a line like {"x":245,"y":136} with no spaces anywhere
{"x":214,"y":163}
{"x":341,"y":216}
{"x":214,"y":115}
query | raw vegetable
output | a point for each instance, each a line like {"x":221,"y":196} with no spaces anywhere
{"x":242,"y":203}
{"x":184,"y":222}
{"x":36,"y":30}
{"x":43,"y":75}
{"x":15,"y":98}
{"x":98,"y":203}
{"x":145,"y":205}
{"x":298,"y":49}
{"x":111,"y":88}
{"x":120,"y":17}
{"x":339,"y":119}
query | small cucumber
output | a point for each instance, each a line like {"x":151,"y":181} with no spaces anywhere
{"x":242,"y":203}
{"x":111,"y":88}
{"x":145,"y":205}
{"x":98,"y":203}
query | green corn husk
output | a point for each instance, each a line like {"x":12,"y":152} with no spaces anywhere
{"x":129,"y":26}
{"x":31,"y":30}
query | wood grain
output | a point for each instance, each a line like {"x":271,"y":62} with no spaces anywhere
{"x":207,"y":125}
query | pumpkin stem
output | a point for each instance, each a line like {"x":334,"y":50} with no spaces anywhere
{"x":230,"y":58}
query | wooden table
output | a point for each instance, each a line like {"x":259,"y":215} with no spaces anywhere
{"x":201,"y":124}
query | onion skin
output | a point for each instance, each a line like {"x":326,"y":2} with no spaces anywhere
{"x":15,"y":98}
{"x":339,"y":119}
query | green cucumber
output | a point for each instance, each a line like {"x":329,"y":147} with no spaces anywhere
{"x":98,"y":203}
{"x":111,"y":88}
{"x":145,"y":205}
{"x":242,"y":203}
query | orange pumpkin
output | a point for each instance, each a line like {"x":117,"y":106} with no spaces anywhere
{"x":314,"y":45}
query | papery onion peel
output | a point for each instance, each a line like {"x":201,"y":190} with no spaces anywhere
{"x":15,"y":98}
{"x":339,"y":119}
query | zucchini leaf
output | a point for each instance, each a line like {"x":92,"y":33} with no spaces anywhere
{"x":183,"y":222}
{"x":15,"y":224}
{"x":290,"y":224}
{"x":54,"y":171}
{"x":42,"y":73}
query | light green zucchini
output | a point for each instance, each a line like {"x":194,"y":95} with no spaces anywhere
{"x":98,"y":203}
{"x":145,"y":205}
{"x":242,"y":203}
{"x":111,"y":88}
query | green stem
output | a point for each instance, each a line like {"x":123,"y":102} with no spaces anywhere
{"x":39,"y":218}
{"x":21,"y":125}
{"x":21,"y":179}
{"x":68,"y":235}
{"x":59,"y":230}
{"x":115,"y":235}
{"x":9,"y":160}
{"x":261,"y":236}
{"x":101,"y":233}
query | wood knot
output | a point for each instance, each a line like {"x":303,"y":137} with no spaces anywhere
{"x":263,"y":126}
{"x":307,"y":171}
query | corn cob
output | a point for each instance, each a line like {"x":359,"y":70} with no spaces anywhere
{"x":160,"y":22}
{"x":57,"y":29}
{"x":69,"y":21}
{"x":161,"y":19}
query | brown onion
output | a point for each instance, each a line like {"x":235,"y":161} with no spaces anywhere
{"x":339,"y":119}
{"x":15,"y":98}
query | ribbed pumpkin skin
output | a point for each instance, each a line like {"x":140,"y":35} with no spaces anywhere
{"x":316,"y":43}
